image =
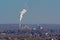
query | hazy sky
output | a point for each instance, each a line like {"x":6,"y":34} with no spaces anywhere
{"x":39,"y":11}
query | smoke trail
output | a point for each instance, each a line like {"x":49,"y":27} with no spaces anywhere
{"x":22,"y":13}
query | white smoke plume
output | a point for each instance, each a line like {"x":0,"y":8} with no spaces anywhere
{"x":22,"y":13}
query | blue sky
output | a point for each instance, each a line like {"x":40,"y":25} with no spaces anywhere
{"x":39,"y":11}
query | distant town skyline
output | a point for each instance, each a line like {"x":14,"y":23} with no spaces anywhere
{"x":39,"y":11}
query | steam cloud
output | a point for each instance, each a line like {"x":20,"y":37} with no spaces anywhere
{"x":22,"y":13}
